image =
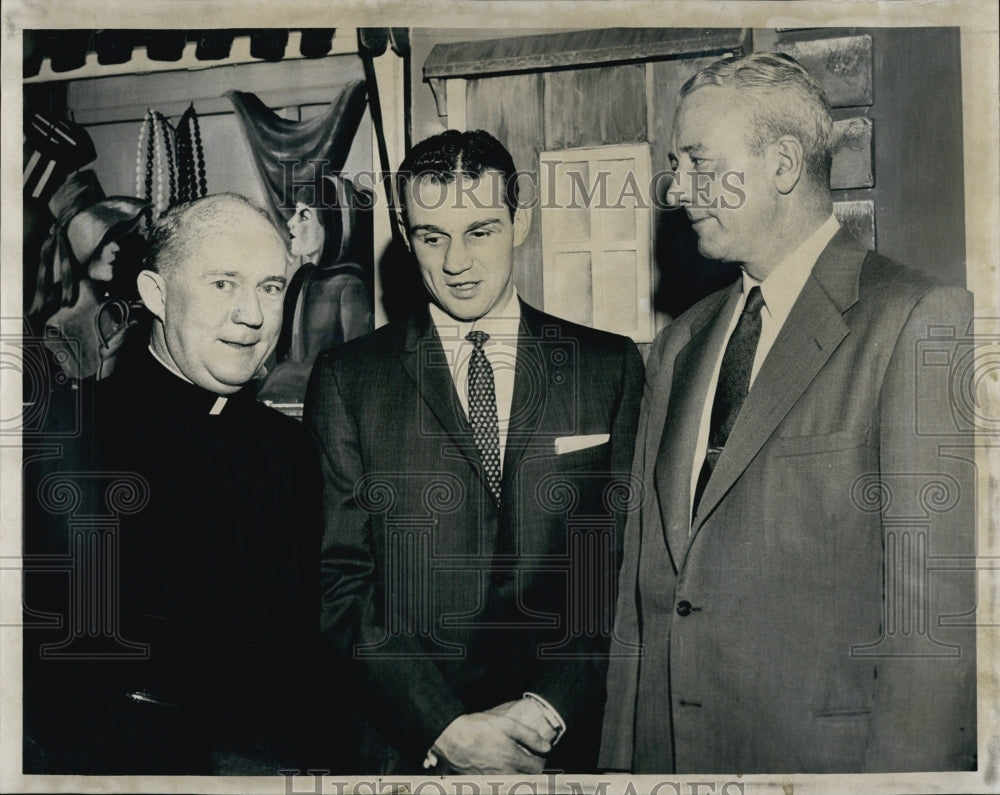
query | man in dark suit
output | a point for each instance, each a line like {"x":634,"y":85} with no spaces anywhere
{"x":791,"y":597}
{"x":193,"y":512}
{"x":476,"y":464}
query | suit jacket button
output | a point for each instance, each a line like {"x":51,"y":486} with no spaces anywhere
{"x":683,"y":607}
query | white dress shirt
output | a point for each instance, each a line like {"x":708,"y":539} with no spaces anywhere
{"x":502,"y":323}
{"x":780,"y":290}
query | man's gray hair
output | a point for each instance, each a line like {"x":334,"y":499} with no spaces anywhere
{"x":781,"y":98}
{"x":183,"y":227}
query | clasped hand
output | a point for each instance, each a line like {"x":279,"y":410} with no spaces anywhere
{"x":511,"y":738}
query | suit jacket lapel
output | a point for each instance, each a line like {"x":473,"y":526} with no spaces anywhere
{"x":812,"y":331}
{"x":676,"y":424}
{"x":424,"y":360}
{"x":538,"y":400}
{"x":520,"y":425}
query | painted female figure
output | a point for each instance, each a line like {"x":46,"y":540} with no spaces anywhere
{"x":328,"y":300}
{"x":83,"y":305}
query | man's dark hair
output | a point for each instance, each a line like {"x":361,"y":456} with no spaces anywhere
{"x":175,"y":231}
{"x":442,"y":157}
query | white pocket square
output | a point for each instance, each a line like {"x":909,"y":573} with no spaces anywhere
{"x":570,"y":444}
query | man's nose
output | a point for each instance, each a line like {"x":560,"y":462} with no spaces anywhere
{"x":679,"y":190}
{"x":247,"y":311}
{"x":457,"y":258}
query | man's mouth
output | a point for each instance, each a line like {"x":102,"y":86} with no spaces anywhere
{"x":237,"y":344}
{"x":697,"y":220}
{"x":461,"y":288}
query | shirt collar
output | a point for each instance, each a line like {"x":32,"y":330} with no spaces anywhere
{"x":500,"y":322}
{"x":782,"y":286}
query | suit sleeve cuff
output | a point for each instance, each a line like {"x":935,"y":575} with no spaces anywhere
{"x":551,"y":715}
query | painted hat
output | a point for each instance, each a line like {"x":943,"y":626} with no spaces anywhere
{"x":84,"y":220}
{"x":337,"y":211}
{"x":88,"y":217}
{"x":107,"y":219}
{"x":79,"y":190}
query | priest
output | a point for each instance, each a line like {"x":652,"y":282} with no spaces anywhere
{"x":188,"y":611}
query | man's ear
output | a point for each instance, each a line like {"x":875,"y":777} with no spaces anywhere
{"x":788,"y":156}
{"x":522,"y":224}
{"x":152,"y":291}
{"x":401,"y":226}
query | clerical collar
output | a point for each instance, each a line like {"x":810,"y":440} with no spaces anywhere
{"x":220,"y":400}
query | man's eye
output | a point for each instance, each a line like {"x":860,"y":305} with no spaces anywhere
{"x":272,"y":289}
{"x":431,"y":240}
{"x":223,"y":285}
{"x":480,"y":233}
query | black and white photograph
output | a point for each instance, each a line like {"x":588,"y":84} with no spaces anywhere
{"x":500,"y":397}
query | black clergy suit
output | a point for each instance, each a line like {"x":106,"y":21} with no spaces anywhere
{"x":203,"y":653}
{"x":445,"y":602}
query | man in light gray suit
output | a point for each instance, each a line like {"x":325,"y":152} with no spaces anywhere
{"x":791,"y":597}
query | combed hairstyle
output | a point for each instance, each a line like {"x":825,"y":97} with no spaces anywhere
{"x":180,"y":229}
{"x":442,"y":157}
{"x":780,"y":98}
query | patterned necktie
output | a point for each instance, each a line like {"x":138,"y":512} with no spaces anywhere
{"x":483,"y":411}
{"x":734,"y":383}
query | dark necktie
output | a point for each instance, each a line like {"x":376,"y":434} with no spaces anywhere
{"x":733,"y":385}
{"x":483,"y":411}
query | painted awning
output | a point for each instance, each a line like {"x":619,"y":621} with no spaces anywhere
{"x":67,"y":50}
{"x":573,"y":49}
{"x":576,"y":49}
{"x":72,"y":54}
